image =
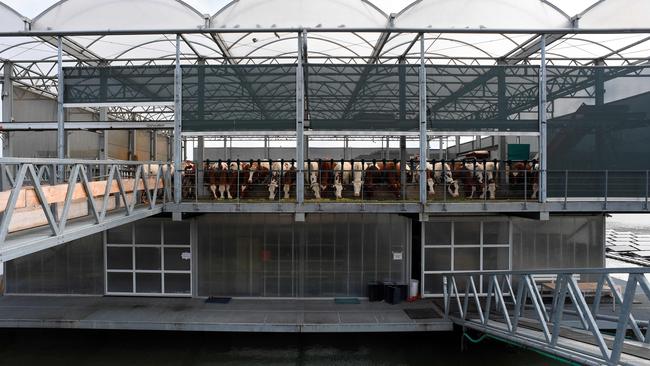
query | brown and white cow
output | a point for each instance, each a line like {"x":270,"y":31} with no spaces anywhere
{"x":311,"y":177}
{"x":438,"y":173}
{"x":468,"y":177}
{"x":372,"y":179}
{"x":342,"y":175}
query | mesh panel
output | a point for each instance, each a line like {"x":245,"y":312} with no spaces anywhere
{"x":119,"y":84}
{"x":363,"y":97}
{"x":239,"y":97}
{"x":475,"y":98}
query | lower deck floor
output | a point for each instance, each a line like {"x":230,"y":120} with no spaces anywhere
{"x":238,"y":315}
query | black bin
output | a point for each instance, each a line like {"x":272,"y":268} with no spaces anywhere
{"x":395,"y":295}
{"x":375,"y":291}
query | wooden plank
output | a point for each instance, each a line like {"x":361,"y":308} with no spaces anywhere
{"x":32,"y":217}
{"x":57,"y":193}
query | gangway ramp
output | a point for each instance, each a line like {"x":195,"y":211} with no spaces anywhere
{"x":561,"y":312}
{"x":53,"y":201}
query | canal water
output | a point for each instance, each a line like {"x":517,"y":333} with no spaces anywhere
{"x":98,"y":348}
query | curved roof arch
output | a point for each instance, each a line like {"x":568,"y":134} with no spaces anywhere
{"x":299,"y":13}
{"x":10,"y":20}
{"x":481,"y":14}
{"x":75,"y":15}
{"x":612,"y":14}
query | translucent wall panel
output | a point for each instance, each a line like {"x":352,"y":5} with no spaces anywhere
{"x":119,"y":84}
{"x":76,"y":267}
{"x":273,"y":256}
{"x":599,"y":119}
{"x":239,"y":97}
{"x":363,"y":97}
{"x":475,"y":98}
{"x":561,"y":242}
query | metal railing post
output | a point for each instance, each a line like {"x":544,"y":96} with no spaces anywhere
{"x":566,"y":187}
{"x":647,"y":185}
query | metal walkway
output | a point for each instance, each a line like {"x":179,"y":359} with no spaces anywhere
{"x":52,"y":201}
{"x":548,"y":310}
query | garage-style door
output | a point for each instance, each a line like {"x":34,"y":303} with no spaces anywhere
{"x":463,"y":244}
{"x":149,"y":257}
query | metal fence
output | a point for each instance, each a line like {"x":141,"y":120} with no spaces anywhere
{"x":53,"y":192}
{"x":549,"y":310}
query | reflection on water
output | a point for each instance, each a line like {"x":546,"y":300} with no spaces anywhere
{"x":72,"y":347}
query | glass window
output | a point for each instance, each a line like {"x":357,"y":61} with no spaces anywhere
{"x":495,"y":258}
{"x":119,"y":258}
{"x":177,"y":233}
{"x":437,"y":259}
{"x":438,"y":233}
{"x":177,"y":283}
{"x":177,"y":259}
{"x":119,"y":282}
{"x":148,"y":283}
{"x":147,"y":232}
{"x":467,"y":233}
{"x":467,"y":259}
{"x":496,"y":232}
{"x":119,"y":235}
{"x":147,"y":258}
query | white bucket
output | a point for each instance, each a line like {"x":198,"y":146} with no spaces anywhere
{"x":414,"y":288}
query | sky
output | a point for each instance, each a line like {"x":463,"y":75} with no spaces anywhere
{"x":31,"y":8}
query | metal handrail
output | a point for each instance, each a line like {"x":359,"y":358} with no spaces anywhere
{"x":513,"y":292}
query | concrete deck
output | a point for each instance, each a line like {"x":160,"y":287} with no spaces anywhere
{"x":184,"y":314}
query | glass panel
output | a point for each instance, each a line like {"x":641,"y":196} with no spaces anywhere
{"x":147,"y":258}
{"x":177,"y":232}
{"x":467,"y":259}
{"x":120,"y":235}
{"x":147,"y":283}
{"x":496,"y":232}
{"x":177,"y":283}
{"x":147,"y":232}
{"x":437,"y":259}
{"x":119,"y":282}
{"x":467,"y":233}
{"x":239,"y":97}
{"x":119,"y":258}
{"x":495,"y":258}
{"x":437,"y":233}
{"x":433,"y":284}
{"x":177,"y":259}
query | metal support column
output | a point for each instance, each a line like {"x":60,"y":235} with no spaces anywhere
{"x":199,"y":157}
{"x":542,"y":121}
{"x":7,"y":117}
{"x":402,"y":119}
{"x":60,"y":112}
{"x":423,"y":124}
{"x":502,"y":106}
{"x":152,"y":145}
{"x":103,"y":141}
{"x":300,"y":120}
{"x":177,"y":123}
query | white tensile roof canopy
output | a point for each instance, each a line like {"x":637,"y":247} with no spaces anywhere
{"x":173,"y":15}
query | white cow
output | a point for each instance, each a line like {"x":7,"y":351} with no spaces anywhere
{"x":312,"y":177}
{"x":341,"y":177}
{"x":434,"y":175}
{"x":357,"y":177}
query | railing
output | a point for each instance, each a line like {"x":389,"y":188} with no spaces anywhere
{"x":51,"y":192}
{"x":467,"y":180}
{"x":538,"y":308}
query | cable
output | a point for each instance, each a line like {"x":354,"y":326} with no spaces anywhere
{"x":542,"y":353}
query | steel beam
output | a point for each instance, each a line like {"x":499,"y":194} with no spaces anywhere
{"x":7,"y":117}
{"x":300,"y":121}
{"x":543,"y":153}
{"x":176,"y":138}
{"x":424,"y":148}
{"x":60,"y":112}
